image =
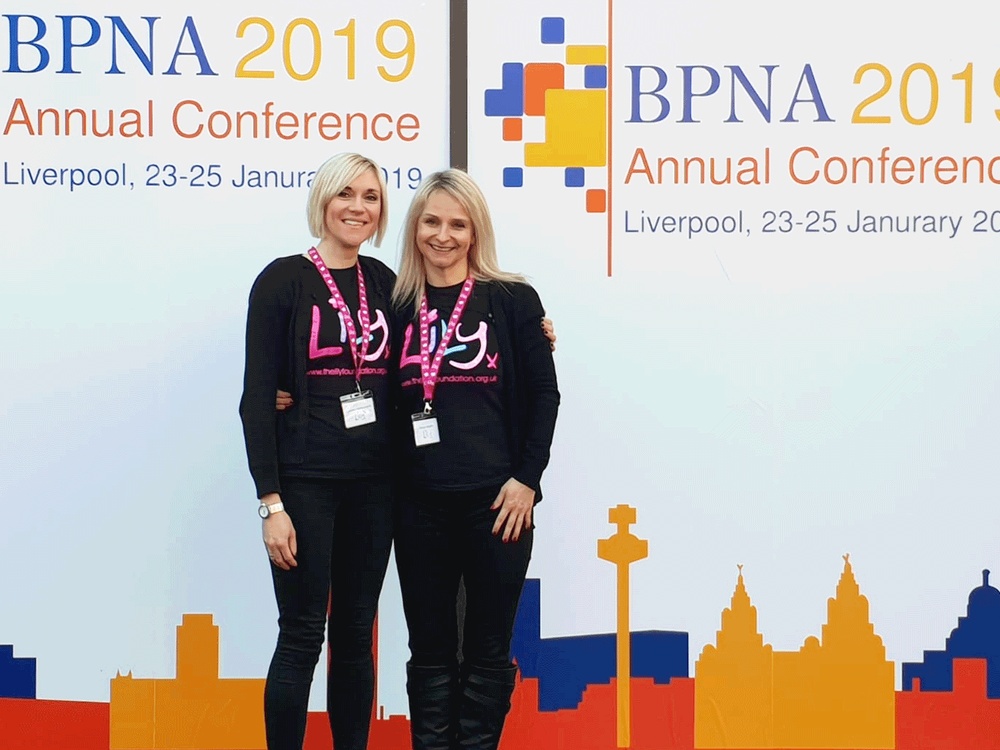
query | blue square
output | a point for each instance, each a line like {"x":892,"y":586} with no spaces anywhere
{"x":513,"y":177}
{"x":574,"y":177}
{"x":595,"y":77}
{"x":553,"y":30}
{"x":508,"y":100}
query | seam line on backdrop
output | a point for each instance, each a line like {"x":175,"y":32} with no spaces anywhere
{"x":458,"y":96}
{"x":459,"y":100}
{"x":458,"y":150}
{"x":609,"y":108}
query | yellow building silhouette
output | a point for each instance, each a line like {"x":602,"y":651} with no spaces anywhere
{"x":733,"y":681}
{"x":837,"y":691}
{"x":194,"y":711}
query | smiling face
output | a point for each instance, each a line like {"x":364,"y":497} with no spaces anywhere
{"x":351,"y":216}
{"x":444,"y":237}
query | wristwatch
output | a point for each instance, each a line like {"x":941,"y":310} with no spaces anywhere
{"x":266,"y":510}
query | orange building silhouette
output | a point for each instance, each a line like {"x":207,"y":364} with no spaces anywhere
{"x":834,"y":692}
{"x":728,"y":704}
{"x":195,"y":711}
{"x":30,"y":724}
{"x":961,"y":719}
{"x":661,"y":718}
{"x":387,"y":732}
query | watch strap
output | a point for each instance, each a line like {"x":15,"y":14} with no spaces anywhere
{"x":270,"y":509}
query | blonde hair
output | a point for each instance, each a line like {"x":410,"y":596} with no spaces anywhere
{"x":483,"y":264}
{"x":335,"y":174}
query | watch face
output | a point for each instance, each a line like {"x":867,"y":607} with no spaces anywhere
{"x":263,"y":511}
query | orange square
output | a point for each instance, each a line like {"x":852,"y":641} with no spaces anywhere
{"x":596,"y":202}
{"x":539,"y":78}
{"x":512,"y":130}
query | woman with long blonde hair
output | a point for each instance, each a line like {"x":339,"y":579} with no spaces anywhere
{"x":476,"y":409}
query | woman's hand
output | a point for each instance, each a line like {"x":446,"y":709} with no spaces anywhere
{"x":515,"y":502}
{"x":279,"y":536}
{"x":548,"y":329}
{"x":284,"y":400}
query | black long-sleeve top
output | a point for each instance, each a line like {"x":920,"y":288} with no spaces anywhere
{"x":288,"y":347}
{"x":530,"y":393}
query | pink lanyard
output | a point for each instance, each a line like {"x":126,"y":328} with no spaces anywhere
{"x":429,"y":368}
{"x":338,"y":304}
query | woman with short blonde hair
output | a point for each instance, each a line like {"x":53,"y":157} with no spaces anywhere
{"x":318,"y":329}
{"x":334,"y":175}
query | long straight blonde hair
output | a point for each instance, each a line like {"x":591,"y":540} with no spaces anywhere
{"x":483,"y":265}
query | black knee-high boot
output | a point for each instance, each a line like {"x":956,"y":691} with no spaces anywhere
{"x":433,"y":696}
{"x":483,"y":706}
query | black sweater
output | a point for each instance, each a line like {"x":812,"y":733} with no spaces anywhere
{"x":530,"y":390}
{"x":277,"y":356}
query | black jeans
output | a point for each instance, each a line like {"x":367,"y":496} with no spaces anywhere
{"x":344,"y":534}
{"x":440,"y":538}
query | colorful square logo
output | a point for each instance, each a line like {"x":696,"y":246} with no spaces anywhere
{"x":575,"y":119}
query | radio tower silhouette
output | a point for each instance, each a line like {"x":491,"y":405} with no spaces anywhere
{"x":623,"y":548}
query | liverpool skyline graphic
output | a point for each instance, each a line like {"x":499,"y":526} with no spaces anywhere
{"x":594,"y":692}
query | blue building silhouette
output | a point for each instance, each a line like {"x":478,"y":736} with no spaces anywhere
{"x":566,"y":666}
{"x":17,"y":676}
{"x":976,"y":637}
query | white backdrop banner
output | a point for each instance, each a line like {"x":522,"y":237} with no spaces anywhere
{"x":767,"y":236}
{"x":154,"y":157}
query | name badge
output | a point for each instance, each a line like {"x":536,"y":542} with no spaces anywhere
{"x":425,"y":429}
{"x":358,"y":408}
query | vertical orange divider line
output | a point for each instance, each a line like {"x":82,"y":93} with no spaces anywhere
{"x":610,"y":99}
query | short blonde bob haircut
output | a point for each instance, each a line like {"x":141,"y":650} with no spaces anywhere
{"x":483,"y":264}
{"x":335,"y":174}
